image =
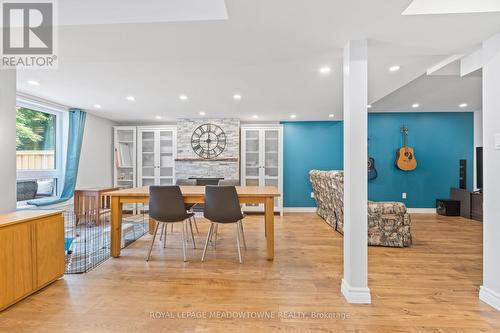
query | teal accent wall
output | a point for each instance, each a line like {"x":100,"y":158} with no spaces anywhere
{"x":440,"y":140}
{"x":306,"y":146}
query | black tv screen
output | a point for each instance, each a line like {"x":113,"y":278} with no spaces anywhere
{"x":479,"y":167}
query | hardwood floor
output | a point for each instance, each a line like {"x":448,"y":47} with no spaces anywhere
{"x":430,"y":287}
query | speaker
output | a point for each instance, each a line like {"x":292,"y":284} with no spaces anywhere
{"x":448,"y":207}
{"x":463,"y":174}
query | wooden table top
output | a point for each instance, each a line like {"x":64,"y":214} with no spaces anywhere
{"x":97,"y":189}
{"x":243,"y":191}
{"x":25,"y":215}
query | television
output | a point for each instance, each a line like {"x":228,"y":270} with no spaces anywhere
{"x":479,"y":168}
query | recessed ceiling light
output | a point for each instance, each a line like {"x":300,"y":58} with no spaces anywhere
{"x":202,"y":113}
{"x":331,"y":115}
{"x":416,"y":105}
{"x":325,"y":70}
{"x":183,"y":97}
{"x":369,"y":106}
{"x":463,"y":105}
{"x":97,"y":106}
{"x":158,"y":117}
{"x":293,"y":116}
{"x":237,"y":97}
{"x":394,"y":68}
{"x":130,"y":98}
{"x":255,"y":116}
{"x":33,"y":83}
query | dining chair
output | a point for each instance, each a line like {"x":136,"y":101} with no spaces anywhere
{"x":229,"y":182}
{"x":189,"y":207}
{"x":166,"y":205}
{"x":222,"y":206}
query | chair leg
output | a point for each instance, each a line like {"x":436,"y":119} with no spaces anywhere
{"x":210,"y":229}
{"x":196,"y":224}
{"x":162,"y":230}
{"x":184,"y":240}
{"x":192,"y":235}
{"x":165,"y":235}
{"x":238,"y":241}
{"x":152,"y":242}
{"x":215,"y":235}
{"x":240,"y":223}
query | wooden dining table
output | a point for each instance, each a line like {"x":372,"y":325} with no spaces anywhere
{"x":192,"y":194}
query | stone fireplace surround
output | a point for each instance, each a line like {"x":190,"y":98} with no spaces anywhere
{"x":190,"y":165}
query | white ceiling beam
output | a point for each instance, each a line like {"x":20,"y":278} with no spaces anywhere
{"x":428,"y":7}
{"x":471,"y":62}
{"x":440,"y":65}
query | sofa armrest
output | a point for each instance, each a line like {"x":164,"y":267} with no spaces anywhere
{"x":385,"y":208}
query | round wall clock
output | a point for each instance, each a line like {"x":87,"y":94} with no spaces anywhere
{"x":208,"y":141}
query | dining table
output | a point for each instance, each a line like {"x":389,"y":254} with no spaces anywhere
{"x":192,"y":195}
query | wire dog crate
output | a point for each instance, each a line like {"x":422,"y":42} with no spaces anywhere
{"x":87,"y":237}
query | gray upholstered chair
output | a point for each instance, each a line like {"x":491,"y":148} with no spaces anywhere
{"x":166,"y":205}
{"x":229,"y":182}
{"x":222,"y":206}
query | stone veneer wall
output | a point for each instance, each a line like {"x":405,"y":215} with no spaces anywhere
{"x":195,"y":166}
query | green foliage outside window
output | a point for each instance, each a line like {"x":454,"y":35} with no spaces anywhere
{"x":35,"y":130}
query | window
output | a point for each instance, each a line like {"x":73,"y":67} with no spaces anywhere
{"x":38,"y":151}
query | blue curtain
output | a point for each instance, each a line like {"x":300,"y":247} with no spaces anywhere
{"x":75,"y":138}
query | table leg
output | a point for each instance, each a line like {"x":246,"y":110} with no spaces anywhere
{"x":269,"y":218}
{"x":116,"y":226}
{"x":152,"y":226}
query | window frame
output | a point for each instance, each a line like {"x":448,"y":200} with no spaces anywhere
{"x":61,"y":140}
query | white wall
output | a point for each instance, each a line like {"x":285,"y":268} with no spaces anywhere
{"x":490,"y":290}
{"x":96,"y":160}
{"x":8,"y":140}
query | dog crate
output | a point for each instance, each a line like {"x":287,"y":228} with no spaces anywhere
{"x":87,"y":237}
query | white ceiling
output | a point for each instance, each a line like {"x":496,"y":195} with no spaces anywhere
{"x":440,"y":93}
{"x":267,"y":51}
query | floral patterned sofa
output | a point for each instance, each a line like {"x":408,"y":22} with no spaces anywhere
{"x":388,"y":222}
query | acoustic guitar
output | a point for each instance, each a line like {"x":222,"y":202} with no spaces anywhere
{"x":405,"y":156}
{"x":372,"y":172}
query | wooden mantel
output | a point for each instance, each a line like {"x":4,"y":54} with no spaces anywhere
{"x":225,"y":159}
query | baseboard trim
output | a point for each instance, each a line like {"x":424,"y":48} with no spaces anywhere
{"x":421,"y":210}
{"x":355,"y":295}
{"x":299,"y":209}
{"x":489,"y":297}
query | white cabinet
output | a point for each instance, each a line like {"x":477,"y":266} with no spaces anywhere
{"x":156,"y":155}
{"x":262,"y":160}
{"x":125,"y":156}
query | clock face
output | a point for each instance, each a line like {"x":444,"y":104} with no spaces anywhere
{"x":208,"y":141}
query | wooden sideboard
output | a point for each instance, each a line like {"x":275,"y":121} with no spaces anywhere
{"x":31,"y":253}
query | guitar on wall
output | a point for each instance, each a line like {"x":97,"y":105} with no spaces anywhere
{"x":405,"y":156}
{"x":372,"y":172}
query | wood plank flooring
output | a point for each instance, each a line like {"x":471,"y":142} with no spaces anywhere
{"x":431,"y":287}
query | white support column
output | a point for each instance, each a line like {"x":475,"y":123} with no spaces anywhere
{"x":355,"y":282}
{"x":490,"y":290}
{"x":8,"y":140}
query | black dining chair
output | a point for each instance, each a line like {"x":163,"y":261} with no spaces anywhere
{"x":166,"y":205}
{"x":229,"y":182}
{"x":222,"y":206}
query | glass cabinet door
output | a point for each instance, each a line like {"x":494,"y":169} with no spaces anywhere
{"x":252,"y":158}
{"x":124,"y":157}
{"x":166,"y":157}
{"x":148,"y":158}
{"x":271,"y":159}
